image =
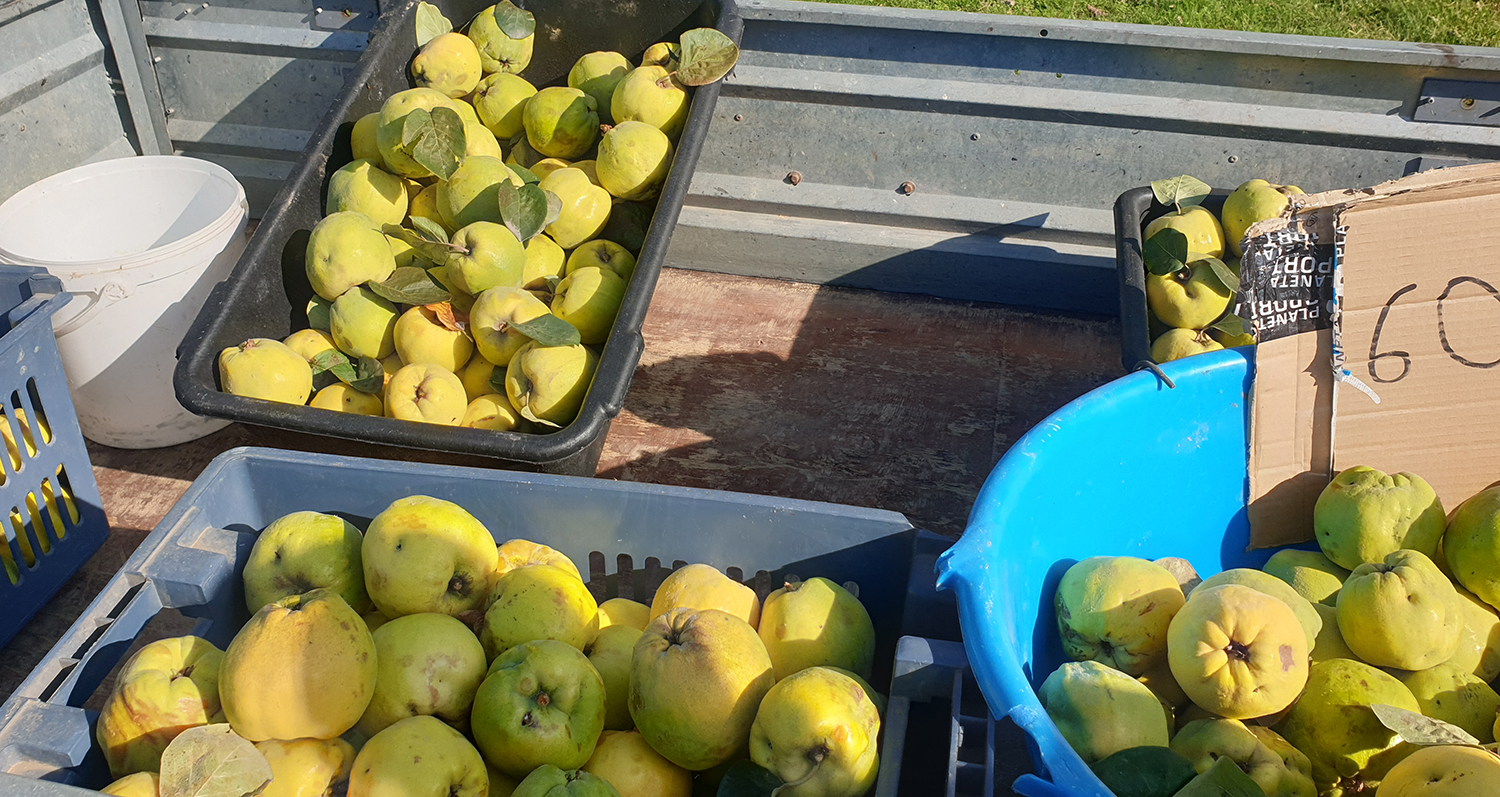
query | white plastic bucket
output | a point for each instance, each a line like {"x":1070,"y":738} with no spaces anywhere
{"x":139,"y":242}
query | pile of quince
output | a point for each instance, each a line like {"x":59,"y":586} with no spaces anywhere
{"x":477,"y":249}
{"x":420,"y":659}
{"x":1362,"y":668}
{"x":1193,"y":264}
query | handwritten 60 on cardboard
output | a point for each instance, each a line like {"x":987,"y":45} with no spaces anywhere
{"x":1378,"y":312}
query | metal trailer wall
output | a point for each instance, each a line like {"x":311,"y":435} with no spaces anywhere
{"x":62,"y":97}
{"x":1017,"y":134}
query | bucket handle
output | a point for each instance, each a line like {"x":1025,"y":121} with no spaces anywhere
{"x":99,"y":298}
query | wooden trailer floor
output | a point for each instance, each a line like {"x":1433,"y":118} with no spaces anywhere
{"x":802,"y":391}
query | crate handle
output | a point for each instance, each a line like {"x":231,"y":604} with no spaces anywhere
{"x":103,"y":297}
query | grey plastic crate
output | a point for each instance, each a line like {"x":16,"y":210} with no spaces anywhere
{"x":628,"y":535}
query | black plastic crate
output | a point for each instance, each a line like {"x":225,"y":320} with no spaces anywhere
{"x":267,"y":293}
{"x":1133,"y":211}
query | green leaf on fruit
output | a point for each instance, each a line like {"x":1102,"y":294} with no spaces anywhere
{"x":413,"y":126}
{"x":430,"y":23}
{"x":1165,"y":252}
{"x":527,"y":176}
{"x":1145,"y":772}
{"x":411,"y":285}
{"x":1225,"y":274}
{"x":497,"y":380}
{"x":706,"y":55}
{"x":1181,"y":192}
{"x":1414,"y":728}
{"x":430,"y":250}
{"x":1223,"y":779}
{"x":748,"y":779}
{"x":429,"y":229}
{"x":548,"y":330}
{"x":440,"y":147}
{"x":523,"y":209}
{"x":212,"y":761}
{"x":554,"y":208}
{"x":1233,"y":325}
{"x":514,"y":22}
{"x":318,"y":313}
{"x":364,"y":374}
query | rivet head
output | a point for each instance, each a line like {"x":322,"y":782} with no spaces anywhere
{"x":908,"y":187}
{"x":1468,"y":102}
{"x":974,"y":137}
{"x":739,"y":117}
{"x":794,"y":177}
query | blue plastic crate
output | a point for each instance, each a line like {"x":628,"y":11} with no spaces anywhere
{"x":625,"y":537}
{"x":54,"y":518}
{"x":1134,"y":468}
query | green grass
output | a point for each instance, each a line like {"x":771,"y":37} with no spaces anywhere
{"x":1466,"y":22}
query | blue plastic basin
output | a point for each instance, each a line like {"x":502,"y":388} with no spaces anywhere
{"x":1134,"y":468}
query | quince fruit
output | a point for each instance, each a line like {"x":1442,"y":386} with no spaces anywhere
{"x":1175,"y":344}
{"x":302,"y":552}
{"x":1237,"y":652}
{"x":424,"y":204}
{"x":497,"y":51}
{"x":1203,"y":232}
{"x":1253,"y":201}
{"x":427,"y":665}
{"x":1100,"y":710}
{"x":589,"y":299}
{"x":541,"y":703}
{"x":426,"y":393}
{"x":363,"y":142}
{"x":303,"y":666}
{"x":340,"y":397}
{"x":701,"y":586}
{"x":1189,"y":298}
{"x":1330,"y":643}
{"x":389,"y":128}
{"x":1443,"y":771}
{"x":561,"y":122}
{"x":310,"y":343}
{"x":425,"y":554}
{"x":1313,"y":575}
{"x":1479,"y":641}
{"x":547,"y":384}
{"x":363,"y":324}
{"x":499,"y":100}
{"x":1472,"y":545}
{"x":1278,"y":768}
{"x":495,"y":258}
{"x":448,"y":63}
{"x":347,"y":249}
{"x":139,"y":784}
{"x":1115,"y":610}
{"x":625,"y":761}
{"x":1364,"y":515}
{"x":1402,"y":612}
{"x":165,"y":688}
{"x":817,"y":731}
{"x":624,"y":611}
{"x":265,"y":369}
{"x":519,"y":553}
{"x":696,"y":680}
{"x":661,"y":54}
{"x":544,"y":260}
{"x":550,"y":781}
{"x":585,"y":207}
{"x":307,"y":767}
{"x":634,"y":159}
{"x":421,"y":339}
{"x":650,"y":95}
{"x":473,"y":193}
{"x":546,"y":166}
{"x":418,"y":757}
{"x":610,"y":653}
{"x":1450,"y":693}
{"x":1307,"y":616}
{"x":1332,"y":724}
{"x":816,"y":623}
{"x":491,"y":318}
{"x":602,"y":254}
{"x":361,"y":187}
{"x":538,"y":602}
{"x":476,"y":378}
{"x":491,"y":411}
{"x":597,"y":74}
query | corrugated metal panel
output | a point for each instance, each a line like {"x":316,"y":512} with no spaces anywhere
{"x":244,"y":82}
{"x":58,"y":105}
{"x":1017,"y":135}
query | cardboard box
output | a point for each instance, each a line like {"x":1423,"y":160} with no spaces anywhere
{"x":1378,"y":312}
